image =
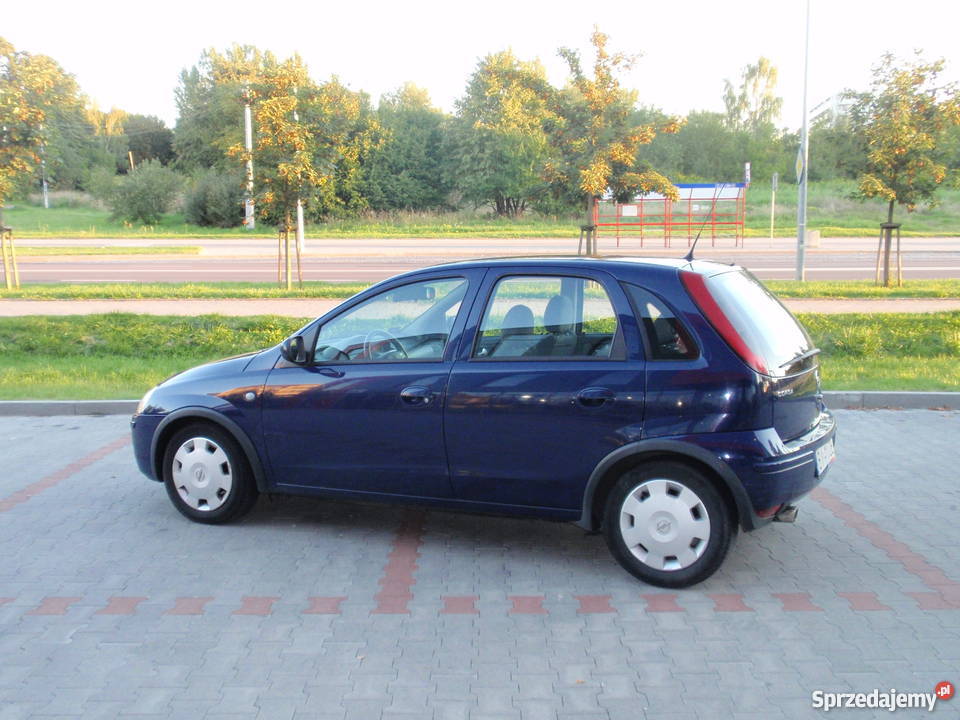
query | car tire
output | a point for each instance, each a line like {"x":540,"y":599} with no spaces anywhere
{"x":207,"y":475}
{"x":667,"y":524}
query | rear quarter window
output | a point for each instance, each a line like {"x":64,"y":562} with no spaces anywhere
{"x":665,"y":335}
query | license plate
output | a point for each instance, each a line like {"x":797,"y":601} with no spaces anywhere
{"x":825,"y":456}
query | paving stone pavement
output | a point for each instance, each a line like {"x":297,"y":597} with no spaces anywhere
{"x":113,"y":605}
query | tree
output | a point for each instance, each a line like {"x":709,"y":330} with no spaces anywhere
{"x":902,"y":123}
{"x":500,"y":137}
{"x":753,"y":106}
{"x":409,"y":170}
{"x":309,"y":140}
{"x":148,"y":138}
{"x":31,"y":87}
{"x":596,"y":140}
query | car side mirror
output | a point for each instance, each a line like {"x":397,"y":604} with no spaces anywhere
{"x":294,"y":350}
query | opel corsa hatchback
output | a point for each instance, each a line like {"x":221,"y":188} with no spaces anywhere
{"x":667,"y":403}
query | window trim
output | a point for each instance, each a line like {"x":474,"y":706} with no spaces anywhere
{"x":642,"y":330}
{"x":413,"y":281}
{"x":618,"y":348}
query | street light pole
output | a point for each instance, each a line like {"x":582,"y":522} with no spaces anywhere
{"x":249,"y":216}
{"x":802,"y":163}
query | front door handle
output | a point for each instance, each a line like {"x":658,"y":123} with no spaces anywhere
{"x":595,"y":396}
{"x":416,"y":395}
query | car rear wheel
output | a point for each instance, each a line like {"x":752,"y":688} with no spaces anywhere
{"x":667,"y":524}
{"x":207,"y":476}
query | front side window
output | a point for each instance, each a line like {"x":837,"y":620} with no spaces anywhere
{"x":546,"y":317}
{"x":408,"y":323}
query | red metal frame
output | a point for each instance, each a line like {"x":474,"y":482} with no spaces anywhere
{"x":726,"y":209}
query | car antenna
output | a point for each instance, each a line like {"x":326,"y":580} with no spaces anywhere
{"x":713,"y":206}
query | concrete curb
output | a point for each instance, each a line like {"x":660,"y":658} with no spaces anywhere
{"x":836,"y":399}
{"x":46,"y":408}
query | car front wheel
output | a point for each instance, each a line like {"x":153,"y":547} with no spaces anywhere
{"x":207,"y":476}
{"x":667,"y":524}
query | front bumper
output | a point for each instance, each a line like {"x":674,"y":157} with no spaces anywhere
{"x":142,"y":428}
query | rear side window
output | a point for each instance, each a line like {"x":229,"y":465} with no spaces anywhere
{"x":667,"y":338}
{"x":548,"y":317}
{"x":765,"y":325}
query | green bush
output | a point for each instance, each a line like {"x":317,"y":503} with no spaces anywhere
{"x":215,"y":200}
{"x":142,"y":195}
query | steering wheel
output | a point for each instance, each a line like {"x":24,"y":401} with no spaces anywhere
{"x":382,"y":338}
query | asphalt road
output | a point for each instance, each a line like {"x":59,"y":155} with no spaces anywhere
{"x":833,"y":266}
{"x":376,"y":259}
{"x":112,"y":605}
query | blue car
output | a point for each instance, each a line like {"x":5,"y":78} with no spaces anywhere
{"x":667,"y":403}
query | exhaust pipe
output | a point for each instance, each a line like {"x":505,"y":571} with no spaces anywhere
{"x":786,"y":514}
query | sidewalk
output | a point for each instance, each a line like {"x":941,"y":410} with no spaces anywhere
{"x":314,"y":307}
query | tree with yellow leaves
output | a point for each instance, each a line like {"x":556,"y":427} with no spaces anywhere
{"x":901,"y":124}
{"x":308,"y":141}
{"x":30,"y":86}
{"x":597,"y":142}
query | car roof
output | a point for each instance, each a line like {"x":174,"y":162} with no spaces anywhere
{"x":608,"y":263}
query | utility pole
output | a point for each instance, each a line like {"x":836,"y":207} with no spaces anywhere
{"x":43,"y":174}
{"x":249,"y":218}
{"x":802,"y":160}
{"x":773,"y":202}
{"x":296,"y":118}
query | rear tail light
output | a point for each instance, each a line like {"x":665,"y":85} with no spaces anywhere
{"x":696,"y":285}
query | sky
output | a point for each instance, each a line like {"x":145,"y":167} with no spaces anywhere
{"x":129,"y":54}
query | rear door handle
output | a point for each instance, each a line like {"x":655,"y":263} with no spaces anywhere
{"x":595,"y":396}
{"x":416,"y":395}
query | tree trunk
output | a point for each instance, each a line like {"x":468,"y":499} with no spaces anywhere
{"x":890,"y":212}
{"x":286,"y":250}
{"x":589,"y":228}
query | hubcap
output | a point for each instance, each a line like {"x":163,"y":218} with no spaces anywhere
{"x":202,"y":474}
{"x":664,"y":524}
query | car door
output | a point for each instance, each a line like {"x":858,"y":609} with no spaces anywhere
{"x":366,"y":414}
{"x":549,"y":380}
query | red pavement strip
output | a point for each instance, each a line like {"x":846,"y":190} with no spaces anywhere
{"x":121,"y":606}
{"x":460,"y":605}
{"x":256,"y":606}
{"x":527,"y":605}
{"x":188,"y":606}
{"x":398,"y":574}
{"x":946,"y":592}
{"x":863,"y":601}
{"x":594,"y":604}
{"x":729,"y":602}
{"x":324,"y":605}
{"x":24,"y":494}
{"x":665,"y":602}
{"x":797,"y":602}
{"x":54,"y":606}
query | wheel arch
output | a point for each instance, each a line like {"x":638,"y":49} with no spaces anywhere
{"x":184,"y":416}
{"x":623,"y":459}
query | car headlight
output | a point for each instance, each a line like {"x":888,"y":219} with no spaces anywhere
{"x":145,"y":400}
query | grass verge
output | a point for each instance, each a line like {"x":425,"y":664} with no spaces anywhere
{"x":851,"y":289}
{"x":44,"y":250}
{"x":122,"y":355}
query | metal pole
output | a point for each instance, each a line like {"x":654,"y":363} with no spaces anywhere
{"x":773,"y":203}
{"x":296,"y":119}
{"x":249,"y":217}
{"x":805,"y":153}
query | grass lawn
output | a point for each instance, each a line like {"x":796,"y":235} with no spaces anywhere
{"x":830,"y":210}
{"x":122,"y":355}
{"x":249,"y":290}
{"x":27,"y":250}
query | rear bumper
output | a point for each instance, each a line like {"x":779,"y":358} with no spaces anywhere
{"x":788,"y":471}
